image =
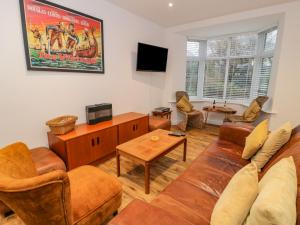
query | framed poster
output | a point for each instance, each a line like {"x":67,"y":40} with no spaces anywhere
{"x":61,"y":39}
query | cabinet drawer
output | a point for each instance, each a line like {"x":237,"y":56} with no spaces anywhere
{"x":104,"y":143}
{"x":133,"y":129}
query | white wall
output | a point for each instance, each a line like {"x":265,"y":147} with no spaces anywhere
{"x":28,"y":98}
{"x":286,"y":78}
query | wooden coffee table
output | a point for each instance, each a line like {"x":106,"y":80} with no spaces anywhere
{"x":145,"y":151}
{"x":217,"y":109}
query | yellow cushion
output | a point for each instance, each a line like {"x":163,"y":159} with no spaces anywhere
{"x":256,"y":139}
{"x":273,"y":143}
{"x":237,"y":198}
{"x":252,"y":111}
{"x":184,"y":104}
{"x":276,"y":201}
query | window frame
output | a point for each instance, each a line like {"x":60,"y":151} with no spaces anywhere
{"x":258,"y":56}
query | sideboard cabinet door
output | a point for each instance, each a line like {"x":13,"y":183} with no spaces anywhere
{"x":133,"y":129}
{"x":79,"y":151}
{"x":105,"y":142}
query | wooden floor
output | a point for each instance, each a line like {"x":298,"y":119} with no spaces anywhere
{"x":163,"y":172}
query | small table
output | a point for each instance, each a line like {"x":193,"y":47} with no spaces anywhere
{"x":217,"y":109}
{"x":162,"y":114}
{"x":145,"y":151}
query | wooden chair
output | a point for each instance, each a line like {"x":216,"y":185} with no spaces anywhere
{"x":241,"y":118}
{"x":191,"y":119}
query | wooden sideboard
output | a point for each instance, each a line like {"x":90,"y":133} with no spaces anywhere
{"x":90,"y":143}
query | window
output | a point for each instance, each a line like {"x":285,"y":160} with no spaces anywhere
{"x":193,"y":48}
{"x":231,"y":68}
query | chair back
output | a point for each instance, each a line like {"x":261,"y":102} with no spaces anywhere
{"x":254,"y":109}
{"x":261,"y":100}
{"x":37,"y":200}
{"x":179,"y":95}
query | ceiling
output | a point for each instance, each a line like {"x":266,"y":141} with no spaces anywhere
{"x":185,"y":11}
{"x":241,"y":26}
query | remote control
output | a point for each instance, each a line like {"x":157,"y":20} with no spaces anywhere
{"x":176,"y":133}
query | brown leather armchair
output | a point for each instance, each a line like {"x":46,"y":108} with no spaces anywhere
{"x":85,"y":195}
{"x":191,"y":119}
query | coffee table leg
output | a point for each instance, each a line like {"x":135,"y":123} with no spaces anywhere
{"x":147,"y":178}
{"x":118,"y":163}
{"x":184,"y":149}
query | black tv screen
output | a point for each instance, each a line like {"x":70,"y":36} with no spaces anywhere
{"x":151,"y":58}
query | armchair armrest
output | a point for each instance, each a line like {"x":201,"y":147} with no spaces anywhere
{"x":46,"y":160}
{"x":235,"y":133}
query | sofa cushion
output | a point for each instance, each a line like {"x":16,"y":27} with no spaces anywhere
{"x":256,"y":139}
{"x":141,"y":213}
{"x":87,"y":197}
{"x":276,"y":202}
{"x":274,"y":142}
{"x":213,"y":170}
{"x":202,"y":183}
{"x":237,"y":198}
{"x":177,"y":208}
{"x":192,"y":198}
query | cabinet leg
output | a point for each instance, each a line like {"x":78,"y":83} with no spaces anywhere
{"x":184,"y":149}
{"x":147,"y":178}
{"x":115,"y":213}
{"x":118,"y":163}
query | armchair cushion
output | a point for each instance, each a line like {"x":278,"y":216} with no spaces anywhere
{"x":87,"y":197}
{"x":184,"y":105}
{"x":252,"y":111}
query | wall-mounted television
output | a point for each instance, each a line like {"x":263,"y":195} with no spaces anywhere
{"x":151,"y":58}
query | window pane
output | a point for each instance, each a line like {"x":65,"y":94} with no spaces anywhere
{"x":270,"y":40}
{"x":214,"y":79}
{"x":243,"y":45}
{"x":193,"y":48}
{"x":192,"y":77}
{"x":216,"y":48}
{"x":239,"y":78}
{"x":264,"y":76}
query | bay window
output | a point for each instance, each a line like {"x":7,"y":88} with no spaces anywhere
{"x":235,"y":68}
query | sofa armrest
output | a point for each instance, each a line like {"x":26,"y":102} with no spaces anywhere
{"x":139,"y":212}
{"x":235,"y":133}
